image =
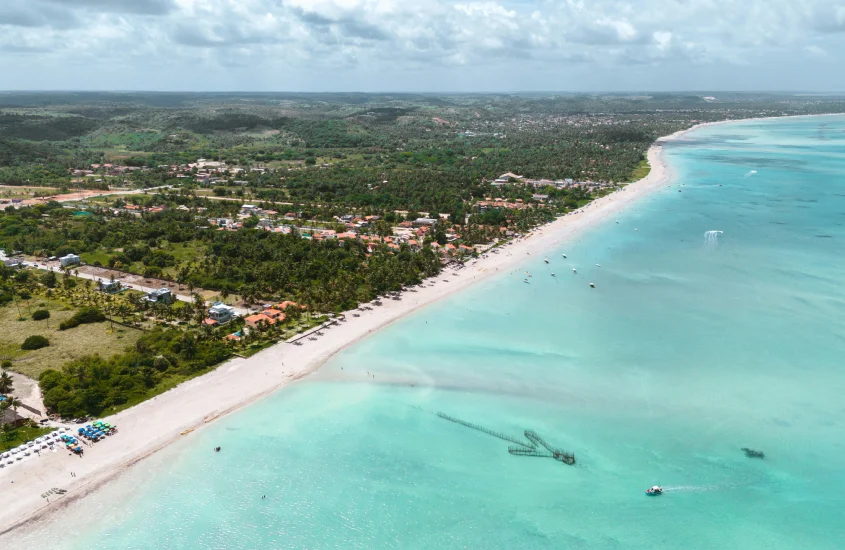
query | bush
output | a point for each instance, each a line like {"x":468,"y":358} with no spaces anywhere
{"x":40,"y":315}
{"x":35,"y":342}
{"x":92,"y":385}
{"x":83,"y":316}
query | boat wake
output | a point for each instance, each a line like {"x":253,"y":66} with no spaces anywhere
{"x":694,"y":488}
{"x":751,"y":173}
{"x":712,"y":237}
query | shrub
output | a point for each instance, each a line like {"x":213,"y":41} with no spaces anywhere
{"x":35,"y":342}
{"x":40,"y":315}
{"x":83,"y":316}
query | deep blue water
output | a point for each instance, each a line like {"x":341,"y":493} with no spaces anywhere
{"x":688,"y":349}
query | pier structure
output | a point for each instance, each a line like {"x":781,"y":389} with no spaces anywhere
{"x":520,"y":447}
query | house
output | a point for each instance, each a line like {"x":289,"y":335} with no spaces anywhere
{"x":70,"y":259}
{"x":274,"y":314}
{"x":109,"y":287}
{"x":10,"y":416}
{"x":258,"y":319}
{"x":12,"y":262}
{"x":161,"y":295}
{"x":425,"y":221}
{"x":221,"y":313}
{"x":209,"y":322}
{"x":249,"y":209}
{"x":540,"y":198}
{"x":286,"y":304}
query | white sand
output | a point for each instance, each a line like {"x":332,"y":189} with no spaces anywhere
{"x":150,"y":426}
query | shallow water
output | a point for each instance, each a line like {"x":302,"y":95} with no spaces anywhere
{"x":689,"y":348}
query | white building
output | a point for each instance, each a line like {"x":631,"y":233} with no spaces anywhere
{"x":221,"y":313}
{"x":70,"y":259}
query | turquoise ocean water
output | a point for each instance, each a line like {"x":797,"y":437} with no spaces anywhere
{"x":688,"y":349}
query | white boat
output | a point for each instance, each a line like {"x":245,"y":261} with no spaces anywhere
{"x":654,"y":491}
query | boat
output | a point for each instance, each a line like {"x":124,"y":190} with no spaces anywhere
{"x":546,"y":260}
{"x":564,"y":255}
{"x":654,"y":491}
{"x":592,"y":285}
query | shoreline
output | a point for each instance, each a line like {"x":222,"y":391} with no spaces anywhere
{"x":154,"y":424}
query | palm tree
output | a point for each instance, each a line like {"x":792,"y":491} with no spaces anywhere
{"x":13,"y":403}
{"x":6,"y":383}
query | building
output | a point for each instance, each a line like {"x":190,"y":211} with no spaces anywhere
{"x":258,"y":319}
{"x":275,"y":314}
{"x":161,"y":295}
{"x":70,"y":259}
{"x":12,"y":262}
{"x":425,"y":221}
{"x":109,"y":287}
{"x":10,"y":416}
{"x":221,"y":313}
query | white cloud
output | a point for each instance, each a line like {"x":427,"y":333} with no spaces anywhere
{"x":663,"y":39}
{"x":317,"y":40}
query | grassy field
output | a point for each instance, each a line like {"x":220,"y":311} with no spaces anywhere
{"x":121,"y":153}
{"x":99,"y":256}
{"x":16,"y":192}
{"x":16,"y":436}
{"x":641,"y":171}
{"x":64,"y":345}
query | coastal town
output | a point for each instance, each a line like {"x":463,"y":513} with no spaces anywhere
{"x":146,"y":286}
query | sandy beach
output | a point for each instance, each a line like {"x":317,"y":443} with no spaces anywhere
{"x":152,"y":425}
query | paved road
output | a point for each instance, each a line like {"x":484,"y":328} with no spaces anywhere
{"x":133,"y":286}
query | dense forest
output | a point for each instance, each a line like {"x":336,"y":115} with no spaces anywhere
{"x":424,"y":152}
{"x":328,"y":275}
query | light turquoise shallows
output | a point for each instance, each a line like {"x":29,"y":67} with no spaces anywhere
{"x":689,"y":348}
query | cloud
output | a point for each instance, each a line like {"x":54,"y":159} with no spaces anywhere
{"x":387,"y":40}
{"x":815,"y":51}
{"x":33,"y":15}
{"x":143,"y":7}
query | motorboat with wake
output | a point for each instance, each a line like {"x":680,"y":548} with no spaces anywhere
{"x":654,"y":491}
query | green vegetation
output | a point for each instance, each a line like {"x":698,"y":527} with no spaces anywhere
{"x":34,"y":342}
{"x":84,"y":316}
{"x":11,"y":437}
{"x":160,"y":360}
{"x":40,"y":315}
{"x":65,"y":345}
{"x":641,"y":171}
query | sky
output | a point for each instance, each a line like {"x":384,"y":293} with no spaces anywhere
{"x":423,"y":45}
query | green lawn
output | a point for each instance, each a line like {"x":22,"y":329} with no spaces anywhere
{"x":16,"y":436}
{"x":185,"y":252}
{"x":91,"y":258}
{"x":641,"y":171}
{"x":65,"y":345}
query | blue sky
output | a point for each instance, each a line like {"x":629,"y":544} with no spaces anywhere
{"x":423,"y":45}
